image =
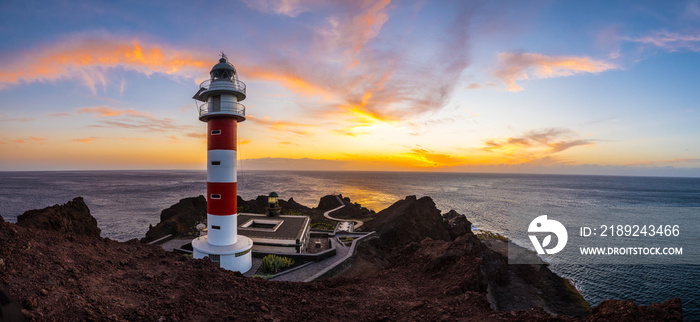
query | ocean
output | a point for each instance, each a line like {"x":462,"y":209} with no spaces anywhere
{"x":126,"y":202}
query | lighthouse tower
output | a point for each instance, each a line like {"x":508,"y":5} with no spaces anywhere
{"x":222,"y":112}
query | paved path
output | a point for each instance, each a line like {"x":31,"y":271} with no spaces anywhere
{"x":307,"y":272}
{"x":326,"y":214}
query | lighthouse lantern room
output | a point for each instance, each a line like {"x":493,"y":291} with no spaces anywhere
{"x":219,"y":107}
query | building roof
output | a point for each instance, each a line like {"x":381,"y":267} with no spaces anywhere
{"x":291,"y":227}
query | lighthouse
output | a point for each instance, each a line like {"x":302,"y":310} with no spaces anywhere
{"x":218,"y":100}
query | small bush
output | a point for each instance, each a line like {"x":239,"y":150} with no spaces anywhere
{"x":273,"y":263}
{"x":485,"y":234}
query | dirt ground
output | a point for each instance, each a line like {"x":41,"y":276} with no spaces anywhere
{"x":69,"y":278}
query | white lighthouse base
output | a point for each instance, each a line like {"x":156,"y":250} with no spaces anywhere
{"x":236,"y":257}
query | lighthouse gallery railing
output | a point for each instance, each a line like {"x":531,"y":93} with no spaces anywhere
{"x":233,"y":83}
{"x":226,"y":107}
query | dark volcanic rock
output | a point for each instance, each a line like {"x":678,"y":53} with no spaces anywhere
{"x":259,"y":206}
{"x":521,"y":287}
{"x":180,"y":219}
{"x":57,"y":277}
{"x":457,"y":223}
{"x":409,"y":220}
{"x":617,"y":310}
{"x":510,"y":287}
{"x":327,"y":203}
{"x":73,"y":218}
{"x":350,"y":211}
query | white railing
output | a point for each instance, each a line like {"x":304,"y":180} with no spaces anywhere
{"x":226,"y":107}
{"x":224,"y":83}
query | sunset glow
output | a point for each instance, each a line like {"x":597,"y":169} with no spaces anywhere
{"x":364,"y":85}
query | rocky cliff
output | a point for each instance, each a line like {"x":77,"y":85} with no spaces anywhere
{"x":413,"y":229}
{"x":72,"y":217}
{"x":350,"y":211}
{"x":180,"y":219}
{"x":409,"y":220}
{"x":259,"y":206}
{"x":55,"y":276}
{"x":457,"y":224}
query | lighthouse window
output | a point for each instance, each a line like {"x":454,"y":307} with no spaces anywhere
{"x":215,"y":132}
{"x":216,"y":163}
{"x":215,"y":227}
{"x":215,"y":196}
{"x":215,"y":258}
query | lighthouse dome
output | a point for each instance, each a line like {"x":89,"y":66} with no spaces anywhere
{"x":223,"y":70}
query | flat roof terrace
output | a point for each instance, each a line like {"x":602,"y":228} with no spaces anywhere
{"x":281,"y":227}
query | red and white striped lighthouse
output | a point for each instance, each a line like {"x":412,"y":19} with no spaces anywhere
{"x":222,"y":112}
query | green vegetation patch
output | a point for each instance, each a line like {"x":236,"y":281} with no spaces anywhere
{"x":263,"y":276}
{"x":485,"y":234}
{"x":272,"y":264}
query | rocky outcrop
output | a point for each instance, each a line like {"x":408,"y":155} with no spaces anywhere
{"x":72,"y":218}
{"x":444,"y":247}
{"x":616,"y":310}
{"x":350,"y":211}
{"x":259,"y":206}
{"x":457,"y":223}
{"x":521,"y":287}
{"x":409,"y":220}
{"x":180,"y":219}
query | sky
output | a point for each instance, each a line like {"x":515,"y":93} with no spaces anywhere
{"x":561,"y":87}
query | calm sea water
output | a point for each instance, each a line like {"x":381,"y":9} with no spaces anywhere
{"x":126,"y":202}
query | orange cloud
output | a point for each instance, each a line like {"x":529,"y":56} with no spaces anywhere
{"x":31,"y":139}
{"x":366,"y":85}
{"x":86,"y":140}
{"x":363,"y":114}
{"x":106,"y":111}
{"x":284,"y":126}
{"x":196,"y":135}
{"x":132,"y":119}
{"x":101,"y":111}
{"x":518,"y":66}
{"x":535,"y":145}
{"x":428,"y":158}
{"x":367,"y":25}
{"x":292,"y":82}
{"x":86,"y":57}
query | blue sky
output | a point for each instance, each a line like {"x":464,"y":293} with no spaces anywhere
{"x":592,"y":87}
